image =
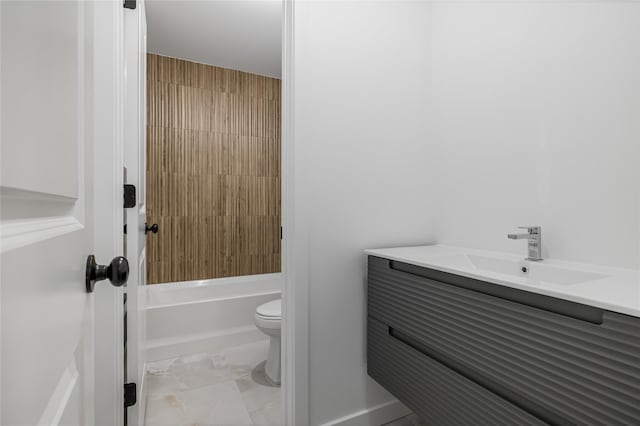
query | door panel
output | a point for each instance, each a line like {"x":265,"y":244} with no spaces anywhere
{"x":46,"y":216}
{"x":42,"y":87}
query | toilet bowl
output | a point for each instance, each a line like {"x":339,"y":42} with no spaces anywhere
{"x":268,"y":318}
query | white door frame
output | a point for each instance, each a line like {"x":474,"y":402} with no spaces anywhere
{"x":295,"y":333}
{"x":135,"y":162}
{"x":109,"y":160}
{"x":108,"y":115}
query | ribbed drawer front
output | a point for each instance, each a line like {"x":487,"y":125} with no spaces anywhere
{"x":437,"y":394}
{"x":562,"y":369}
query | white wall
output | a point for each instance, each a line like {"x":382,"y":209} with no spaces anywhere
{"x":456,"y":122}
{"x":361,"y":176}
{"x":536,"y":112}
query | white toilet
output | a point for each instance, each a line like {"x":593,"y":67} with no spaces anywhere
{"x":268,"y":318}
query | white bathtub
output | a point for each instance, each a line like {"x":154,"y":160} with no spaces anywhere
{"x":205,"y":316}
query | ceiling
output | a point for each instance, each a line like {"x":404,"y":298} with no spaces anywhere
{"x":243,"y":35}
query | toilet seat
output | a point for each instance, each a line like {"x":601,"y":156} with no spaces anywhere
{"x":269,"y":315}
{"x":267,"y":323}
{"x":271,"y":309}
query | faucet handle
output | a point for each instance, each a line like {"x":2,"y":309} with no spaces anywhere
{"x":531,"y":229}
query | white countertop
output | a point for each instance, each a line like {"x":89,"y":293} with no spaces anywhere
{"x":613,"y":289}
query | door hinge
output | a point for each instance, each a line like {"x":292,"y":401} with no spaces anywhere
{"x":129,"y":394}
{"x":129,"y":196}
{"x":129,"y":4}
{"x":281,"y":232}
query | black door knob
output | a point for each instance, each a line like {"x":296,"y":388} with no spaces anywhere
{"x":153,"y":228}
{"x":117,"y":272}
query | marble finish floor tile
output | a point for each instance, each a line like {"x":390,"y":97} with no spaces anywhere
{"x":269,"y":415}
{"x":223,"y":389}
{"x":219,"y":404}
{"x":215,"y":405}
{"x":164,"y":410}
{"x":194,"y":371}
{"x":255,"y":390}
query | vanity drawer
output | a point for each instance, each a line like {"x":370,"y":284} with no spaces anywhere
{"x":439,"y":395}
{"x":560,"y":361}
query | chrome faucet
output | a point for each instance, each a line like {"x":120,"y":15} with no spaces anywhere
{"x":534,"y":237}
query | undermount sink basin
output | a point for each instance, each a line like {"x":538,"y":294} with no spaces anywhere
{"x":532,"y":271}
{"x":537,"y":271}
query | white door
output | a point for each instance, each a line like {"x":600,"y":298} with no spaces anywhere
{"x":47,"y":224}
{"x":135,"y":241}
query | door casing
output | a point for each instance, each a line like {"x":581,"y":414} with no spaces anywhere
{"x":135,"y":162}
{"x":295,"y":295}
{"x":109,"y":160}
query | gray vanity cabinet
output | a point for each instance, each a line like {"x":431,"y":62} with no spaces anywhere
{"x":459,"y":351}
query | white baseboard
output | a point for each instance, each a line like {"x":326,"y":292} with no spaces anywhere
{"x":159,"y":349}
{"x":374,"y":416}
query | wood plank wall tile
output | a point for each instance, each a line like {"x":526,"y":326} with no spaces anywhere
{"x":213,"y":171}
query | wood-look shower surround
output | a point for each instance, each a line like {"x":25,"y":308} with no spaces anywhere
{"x":213,"y":171}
